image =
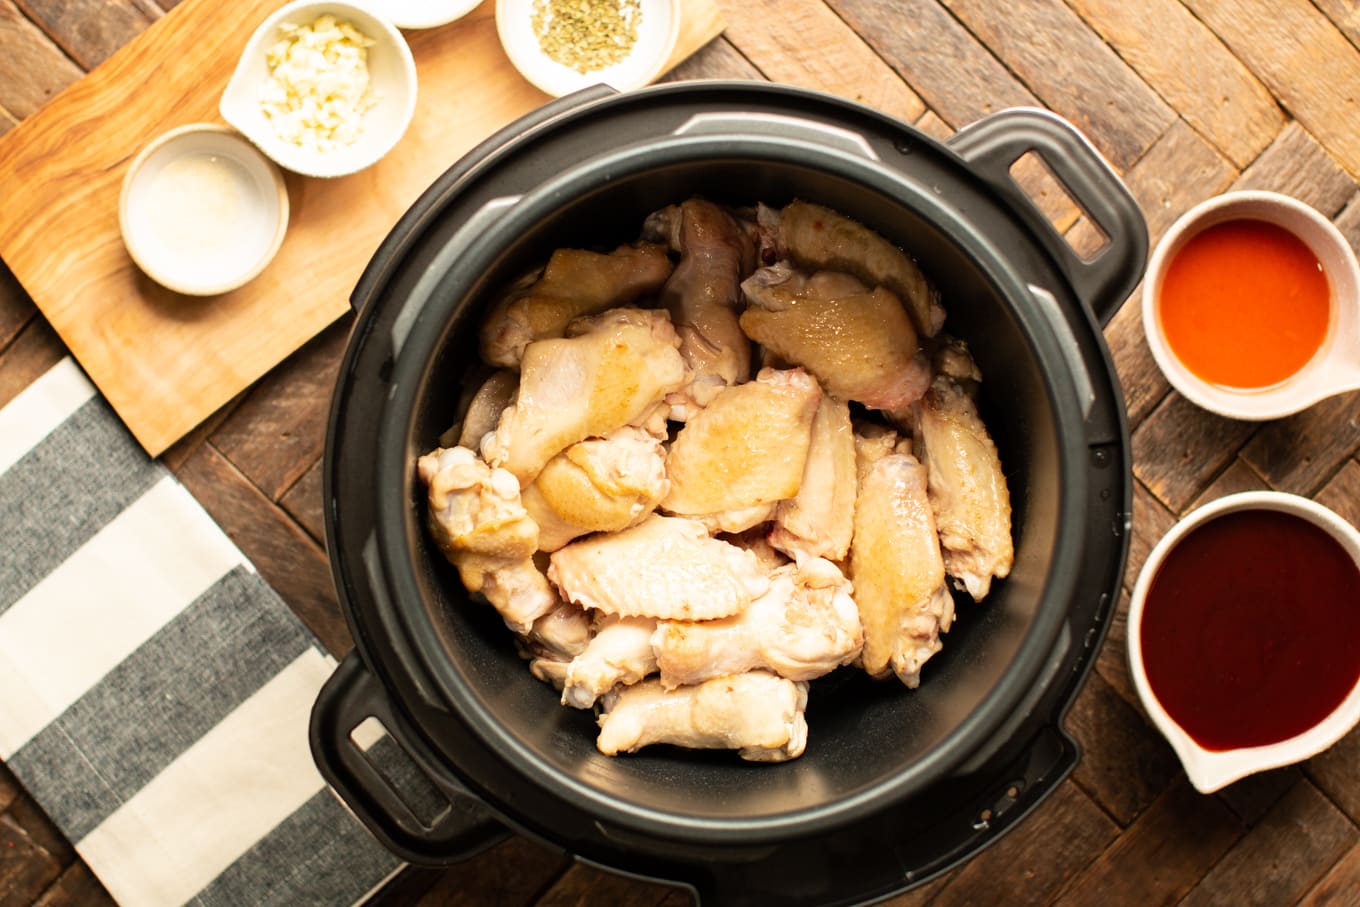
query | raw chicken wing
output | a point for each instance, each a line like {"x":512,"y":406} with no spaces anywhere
{"x":575,"y":282}
{"x":805,"y":626}
{"x":664,"y":567}
{"x":759,"y":714}
{"x":818,"y":238}
{"x":620,"y":653}
{"x":873,"y":442}
{"x":819,"y":521}
{"x":744,"y":452}
{"x":967,"y":487}
{"x":897,"y":570}
{"x":478,"y":522}
{"x":597,"y":485}
{"x":703,"y":295}
{"x":555,"y":639}
{"x":484,"y":410}
{"x":858,"y":342}
{"x":613,"y":371}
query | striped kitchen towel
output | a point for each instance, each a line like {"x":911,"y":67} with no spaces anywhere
{"x":154,"y":690}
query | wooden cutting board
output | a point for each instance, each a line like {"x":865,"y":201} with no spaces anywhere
{"x":164,"y":361}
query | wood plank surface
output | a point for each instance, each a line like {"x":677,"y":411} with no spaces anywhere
{"x":1072,"y":72}
{"x":1300,"y":55}
{"x":1189,"y":67}
{"x":806,"y":44}
{"x":1188,"y":98}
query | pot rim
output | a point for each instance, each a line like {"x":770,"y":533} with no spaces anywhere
{"x":424,"y":339}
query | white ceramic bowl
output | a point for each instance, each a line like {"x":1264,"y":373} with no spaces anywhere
{"x":415,"y":14}
{"x":1210,"y":770}
{"x":392,"y":75}
{"x":657,"y":32}
{"x":1335,"y":367}
{"x":202,"y":210}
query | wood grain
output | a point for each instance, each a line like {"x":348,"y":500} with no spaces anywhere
{"x":1160,"y":857}
{"x":1151,"y":520}
{"x":1237,"y":477}
{"x":1073,"y":72}
{"x":806,"y":44}
{"x":1188,"y":66}
{"x":26,"y":869}
{"x":76,"y":887}
{"x":16,"y":309}
{"x":1340,"y":883}
{"x":1281,"y":857}
{"x":89,"y":31}
{"x":717,"y":59}
{"x":1254,"y":796}
{"x":582,"y":885}
{"x":303,"y":502}
{"x":517,"y":871}
{"x":9,"y":788}
{"x":1300,"y":453}
{"x":1345,"y":15}
{"x":1179,"y":448}
{"x":165,"y":362}
{"x":1125,"y":762}
{"x":33,"y":69}
{"x":1029,"y":867}
{"x":1295,"y":164}
{"x":1301,"y":56}
{"x":32,"y":353}
{"x":279,"y":430}
{"x":957,"y":77}
{"x":1112,"y":663}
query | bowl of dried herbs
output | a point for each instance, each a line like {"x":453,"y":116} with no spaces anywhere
{"x":562,"y":46}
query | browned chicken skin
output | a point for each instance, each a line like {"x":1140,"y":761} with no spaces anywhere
{"x":614,"y":371}
{"x":968,"y":490}
{"x":820,"y":239}
{"x":897,"y":570}
{"x":574,"y":282}
{"x":745,"y":452}
{"x":860,"y":343}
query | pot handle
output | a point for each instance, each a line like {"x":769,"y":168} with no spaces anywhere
{"x":461,"y":829}
{"x":994,"y":143}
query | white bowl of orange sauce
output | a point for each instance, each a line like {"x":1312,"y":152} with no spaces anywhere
{"x":1244,"y":635}
{"x":1251,"y":306}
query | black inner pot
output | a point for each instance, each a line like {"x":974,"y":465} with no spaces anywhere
{"x":871,"y":744}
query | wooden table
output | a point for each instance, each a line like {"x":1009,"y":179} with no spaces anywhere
{"x":1187,"y":98}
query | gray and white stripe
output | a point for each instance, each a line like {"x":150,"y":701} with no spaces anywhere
{"x":154,"y":691}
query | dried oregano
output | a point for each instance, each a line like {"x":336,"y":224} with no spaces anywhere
{"x":587,"y":35}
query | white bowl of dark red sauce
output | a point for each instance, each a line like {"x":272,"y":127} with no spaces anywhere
{"x":1244,"y":635}
{"x":1251,"y":306}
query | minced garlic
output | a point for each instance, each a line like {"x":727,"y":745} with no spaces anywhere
{"x":318,"y":88}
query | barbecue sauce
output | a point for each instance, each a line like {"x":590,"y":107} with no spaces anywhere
{"x":1251,"y":629}
{"x":1245,"y":304}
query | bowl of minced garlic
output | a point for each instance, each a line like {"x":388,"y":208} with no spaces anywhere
{"x":564,"y":45}
{"x":324,"y":89}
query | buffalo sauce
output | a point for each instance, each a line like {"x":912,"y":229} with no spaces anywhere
{"x":1245,"y":304}
{"x":1251,"y":629}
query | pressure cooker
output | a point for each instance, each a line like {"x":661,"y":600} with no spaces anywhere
{"x":896,"y":785}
